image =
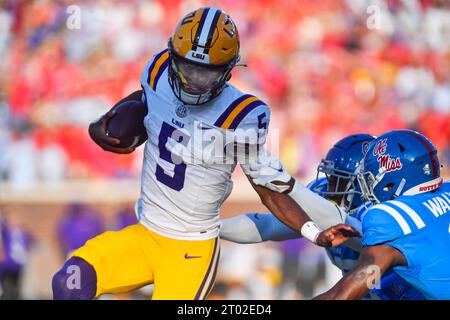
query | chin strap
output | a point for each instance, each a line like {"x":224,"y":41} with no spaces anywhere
{"x":400,"y":188}
{"x":182,"y":77}
{"x":347,"y":199}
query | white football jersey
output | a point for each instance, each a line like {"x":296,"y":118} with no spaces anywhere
{"x":182,"y":199}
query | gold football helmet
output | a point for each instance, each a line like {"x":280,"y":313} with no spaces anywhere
{"x":202,"y":52}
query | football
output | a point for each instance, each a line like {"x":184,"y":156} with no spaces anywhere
{"x":127,"y":124}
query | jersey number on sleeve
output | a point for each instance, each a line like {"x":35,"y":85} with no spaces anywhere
{"x":176,"y":181}
{"x":262,"y":124}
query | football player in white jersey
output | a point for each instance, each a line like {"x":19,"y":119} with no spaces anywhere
{"x":193,"y":116}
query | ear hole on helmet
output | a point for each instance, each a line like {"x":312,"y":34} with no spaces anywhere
{"x":402,"y":148}
{"x":388,"y":187}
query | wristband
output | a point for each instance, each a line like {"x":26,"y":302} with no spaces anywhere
{"x":310,"y":231}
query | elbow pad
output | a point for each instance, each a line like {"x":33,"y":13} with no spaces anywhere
{"x":266,"y":171}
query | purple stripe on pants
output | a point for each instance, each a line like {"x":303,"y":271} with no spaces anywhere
{"x":197,"y":296}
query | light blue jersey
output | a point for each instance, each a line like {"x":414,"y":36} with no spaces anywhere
{"x":419,"y":227}
{"x":392,"y":287}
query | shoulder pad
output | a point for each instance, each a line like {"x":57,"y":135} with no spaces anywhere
{"x":237,"y":111}
{"x":154,"y":69}
{"x":383,"y":223}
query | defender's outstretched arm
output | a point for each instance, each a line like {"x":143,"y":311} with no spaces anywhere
{"x":255,"y":228}
{"x":295,"y":205}
{"x":290,"y":213}
{"x":260,"y":227}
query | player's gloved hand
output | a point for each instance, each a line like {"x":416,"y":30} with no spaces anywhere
{"x":268,"y":172}
{"x":97,"y":131}
{"x":336,"y":235}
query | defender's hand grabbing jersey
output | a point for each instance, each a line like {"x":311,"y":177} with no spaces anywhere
{"x":180,"y":200}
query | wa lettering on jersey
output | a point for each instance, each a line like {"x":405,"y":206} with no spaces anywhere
{"x":178,"y":199}
{"x":417,"y":226}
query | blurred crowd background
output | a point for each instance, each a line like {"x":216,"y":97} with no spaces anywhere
{"x":327,"y":68}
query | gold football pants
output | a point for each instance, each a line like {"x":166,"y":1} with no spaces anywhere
{"x":135,"y":256}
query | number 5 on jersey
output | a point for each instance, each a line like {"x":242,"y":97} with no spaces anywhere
{"x":176,"y":181}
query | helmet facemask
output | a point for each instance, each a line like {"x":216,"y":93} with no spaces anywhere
{"x":195,"y":83}
{"x":342,"y":185}
{"x":368,"y":182}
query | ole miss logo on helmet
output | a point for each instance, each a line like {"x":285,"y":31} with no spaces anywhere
{"x":380,"y":147}
{"x":384,"y":160}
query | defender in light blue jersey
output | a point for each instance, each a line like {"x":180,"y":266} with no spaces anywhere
{"x":408,"y":228}
{"x":339,"y":186}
